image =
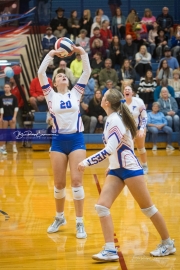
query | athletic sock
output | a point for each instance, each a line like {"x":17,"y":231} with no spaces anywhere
{"x":60,"y":214}
{"x":79,"y":220}
{"x":167,"y":241}
{"x":110,"y":246}
{"x":144,"y":164}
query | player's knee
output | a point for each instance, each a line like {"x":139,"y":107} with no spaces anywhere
{"x":78,"y":193}
{"x":149,"y":212}
{"x":59,"y":193}
{"x":102,"y":211}
{"x":141,"y":150}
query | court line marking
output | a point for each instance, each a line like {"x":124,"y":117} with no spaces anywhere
{"x":121,"y":258}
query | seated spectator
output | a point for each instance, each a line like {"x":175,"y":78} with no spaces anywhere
{"x":151,"y":37}
{"x":15,"y":92}
{"x":118,"y":24}
{"x":48,"y":40}
{"x":97,"y":62}
{"x":36,"y":93}
{"x":158,"y":123}
{"x":59,"y":19}
{"x":89,"y":90}
{"x":73,"y":25}
{"x":67,"y":72}
{"x":109,"y":85}
{"x":96,"y":112}
{"x":97,"y":34}
{"x":175,"y":42}
{"x":116,"y":52}
{"x":83,"y":41}
{"x":164,"y":83}
{"x":86,"y":21}
{"x":97,"y":23}
{"x":146,"y":88}
{"x":76,"y":67}
{"x":127,"y":74}
{"x":106,"y":32}
{"x":141,"y":33}
{"x":165,"y":21}
{"x":161,"y":41}
{"x":169,"y":107}
{"x":60,"y":31}
{"x":84,"y":114}
{"x":164,"y":72}
{"x":172,"y":61}
{"x":148,"y":19}
{"x":108,"y":73}
{"x":100,"y":12}
{"x":143,"y":61}
{"x":132,"y":17}
{"x":97,"y":47}
{"x":175,"y":83}
{"x":130,"y":50}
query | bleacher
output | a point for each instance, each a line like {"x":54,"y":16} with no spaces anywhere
{"x":94,"y":141}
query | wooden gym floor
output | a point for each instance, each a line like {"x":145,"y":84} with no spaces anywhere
{"x":26,"y":195}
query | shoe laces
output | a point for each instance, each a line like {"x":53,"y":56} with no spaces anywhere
{"x":104,"y":250}
{"x":80,"y":227}
{"x":57,"y":220}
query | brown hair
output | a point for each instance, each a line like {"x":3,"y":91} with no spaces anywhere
{"x":97,"y":102}
{"x":116,"y":100}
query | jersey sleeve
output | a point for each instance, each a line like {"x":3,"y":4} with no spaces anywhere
{"x":114,"y":135}
{"x":43,"y":79}
{"x":81,"y":83}
{"x":142,"y":115}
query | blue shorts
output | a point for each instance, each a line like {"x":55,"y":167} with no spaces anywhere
{"x":123,"y":173}
{"x":7,"y":118}
{"x":67,"y":143}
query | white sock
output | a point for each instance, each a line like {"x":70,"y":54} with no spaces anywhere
{"x":167,"y":241}
{"x":110,"y":246}
{"x":60,"y":214}
{"x":145,"y":164}
{"x":79,"y":220}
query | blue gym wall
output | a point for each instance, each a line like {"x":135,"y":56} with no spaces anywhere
{"x":139,"y":5}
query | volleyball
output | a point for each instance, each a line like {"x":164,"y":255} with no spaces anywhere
{"x":64,"y":47}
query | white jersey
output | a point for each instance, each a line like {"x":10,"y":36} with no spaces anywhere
{"x":138,"y":110}
{"x":64,"y":108}
{"x":119,"y":147}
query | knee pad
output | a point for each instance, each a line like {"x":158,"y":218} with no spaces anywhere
{"x":102,"y":211}
{"x":141,"y":151}
{"x":59,"y":193}
{"x":149,"y":212}
{"x":78,"y":193}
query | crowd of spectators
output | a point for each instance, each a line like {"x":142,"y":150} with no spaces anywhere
{"x":122,"y":50}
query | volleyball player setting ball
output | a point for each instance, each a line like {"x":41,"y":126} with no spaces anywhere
{"x":68,"y":141}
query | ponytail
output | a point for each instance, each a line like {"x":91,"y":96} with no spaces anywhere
{"x":117,"y":104}
{"x":128,"y":119}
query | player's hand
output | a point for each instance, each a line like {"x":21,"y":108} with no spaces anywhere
{"x":78,"y":49}
{"x":81,"y":167}
{"x":140,"y":133}
{"x":52,"y":53}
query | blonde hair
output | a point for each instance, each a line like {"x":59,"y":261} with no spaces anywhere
{"x":89,"y":14}
{"x":116,"y":100}
{"x":144,"y":47}
{"x":94,"y":41}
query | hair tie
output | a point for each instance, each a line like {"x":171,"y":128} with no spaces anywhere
{"x":122,"y":100}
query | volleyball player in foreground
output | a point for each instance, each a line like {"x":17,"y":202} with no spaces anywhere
{"x":68,"y":141}
{"x":124,"y":169}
